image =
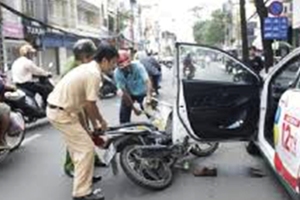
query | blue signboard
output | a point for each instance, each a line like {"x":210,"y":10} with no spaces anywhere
{"x":276,"y":8}
{"x":276,"y":28}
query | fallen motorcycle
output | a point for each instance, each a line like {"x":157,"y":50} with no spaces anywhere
{"x":118,"y":138}
{"x":149,"y":165}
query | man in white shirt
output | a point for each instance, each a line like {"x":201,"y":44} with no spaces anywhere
{"x":23,"y":70}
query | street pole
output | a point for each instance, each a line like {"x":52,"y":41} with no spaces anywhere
{"x":132,"y":22}
{"x":1,"y":43}
{"x":262,"y":12}
{"x":244,"y":31}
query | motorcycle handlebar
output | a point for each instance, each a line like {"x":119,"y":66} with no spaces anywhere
{"x":47,"y":76}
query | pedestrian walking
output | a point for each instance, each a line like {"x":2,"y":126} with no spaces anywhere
{"x":255,"y":61}
{"x":153,"y":69}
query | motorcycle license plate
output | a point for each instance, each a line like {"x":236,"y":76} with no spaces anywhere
{"x":109,"y":154}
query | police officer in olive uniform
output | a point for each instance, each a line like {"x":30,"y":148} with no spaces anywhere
{"x":83,"y":51}
{"x":76,"y":91}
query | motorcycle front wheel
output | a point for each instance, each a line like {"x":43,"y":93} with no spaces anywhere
{"x":106,"y":93}
{"x":153,"y":174}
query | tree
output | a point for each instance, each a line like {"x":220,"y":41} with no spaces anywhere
{"x":199,"y":31}
{"x":262,"y":12}
{"x":197,"y":11}
{"x":217,"y":29}
{"x":123,"y":20}
{"x":244,"y":31}
{"x":211,"y":32}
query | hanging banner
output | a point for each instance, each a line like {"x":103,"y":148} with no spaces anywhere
{"x":12,"y":25}
{"x":33,"y":28}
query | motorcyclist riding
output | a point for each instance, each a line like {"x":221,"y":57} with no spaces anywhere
{"x":23,"y":70}
{"x":188,"y":65}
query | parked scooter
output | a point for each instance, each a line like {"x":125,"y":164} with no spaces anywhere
{"x":108,"y":88}
{"x":16,"y":132}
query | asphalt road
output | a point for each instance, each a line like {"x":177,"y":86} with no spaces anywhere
{"x":34,"y":172}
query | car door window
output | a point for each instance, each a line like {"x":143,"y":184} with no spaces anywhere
{"x":207,"y":64}
{"x":218,"y":94}
{"x":286,"y":77}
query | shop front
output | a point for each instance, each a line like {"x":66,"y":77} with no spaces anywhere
{"x":56,"y":48}
{"x":13,"y":39}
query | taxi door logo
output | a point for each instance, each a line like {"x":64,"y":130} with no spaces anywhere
{"x":286,"y":157}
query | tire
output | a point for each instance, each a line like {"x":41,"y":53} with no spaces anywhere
{"x":139,"y":179}
{"x":21,"y":134}
{"x":103,"y":94}
{"x":197,"y":151}
{"x":252,"y":149}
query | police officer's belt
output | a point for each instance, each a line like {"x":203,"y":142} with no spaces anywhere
{"x":55,"y":107}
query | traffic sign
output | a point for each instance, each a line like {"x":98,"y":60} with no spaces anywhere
{"x":276,"y":8}
{"x":276,"y":28}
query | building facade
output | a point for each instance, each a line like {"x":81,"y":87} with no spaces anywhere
{"x":168,"y":40}
{"x":13,"y":35}
{"x":60,"y":23}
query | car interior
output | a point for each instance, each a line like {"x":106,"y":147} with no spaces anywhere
{"x":222,"y":94}
{"x":281,"y":81}
{"x":226,"y":99}
{"x":229,"y":111}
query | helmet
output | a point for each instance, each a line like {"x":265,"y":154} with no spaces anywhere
{"x":25,"y":49}
{"x":84,"y":47}
{"x":124,"y":58}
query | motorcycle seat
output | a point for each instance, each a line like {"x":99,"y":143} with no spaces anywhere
{"x":131,"y":124}
{"x":28,"y":92}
